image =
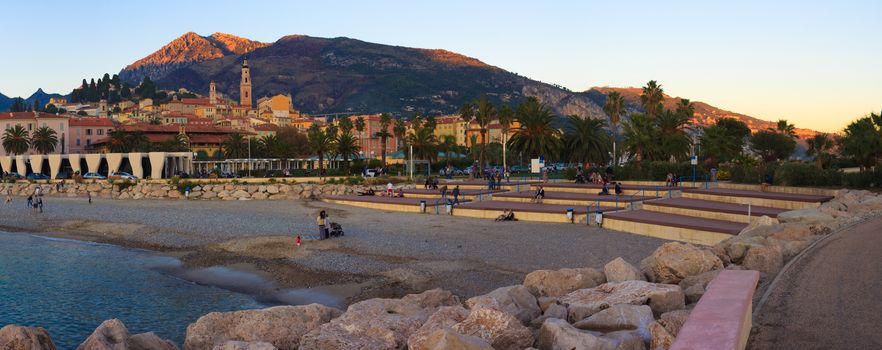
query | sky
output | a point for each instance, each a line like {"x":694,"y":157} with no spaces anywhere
{"x":815,"y":63}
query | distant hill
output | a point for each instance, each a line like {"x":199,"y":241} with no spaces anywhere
{"x":6,"y":102}
{"x":326,"y":75}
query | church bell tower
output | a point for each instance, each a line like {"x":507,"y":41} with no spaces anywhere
{"x":245,"y":86}
{"x":212,"y":93}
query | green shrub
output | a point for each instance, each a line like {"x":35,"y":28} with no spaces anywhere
{"x":122,"y":186}
{"x":803,"y":174}
{"x":181,"y":186}
{"x":864,"y":179}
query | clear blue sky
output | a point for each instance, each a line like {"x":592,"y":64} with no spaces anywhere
{"x":815,"y":63}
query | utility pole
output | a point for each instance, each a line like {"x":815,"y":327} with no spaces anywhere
{"x":249,"y":157}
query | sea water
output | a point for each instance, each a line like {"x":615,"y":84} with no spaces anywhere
{"x":70,"y":287}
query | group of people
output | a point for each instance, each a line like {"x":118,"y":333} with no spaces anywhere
{"x":35,"y":200}
{"x":595,"y":177}
{"x":672,"y":180}
{"x":604,"y":191}
{"x":431,"y":183}
{"x":507,"y":215}
{"x":494,"y":179}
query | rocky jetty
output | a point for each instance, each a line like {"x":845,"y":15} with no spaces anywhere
{"x":619,"y":307}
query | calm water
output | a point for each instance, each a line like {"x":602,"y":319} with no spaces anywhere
{"x":70,"y":287}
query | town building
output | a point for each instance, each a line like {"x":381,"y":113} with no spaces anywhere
{"x":245,"y":86}
{"x":85,"y":131}
{"x":31,"y":121}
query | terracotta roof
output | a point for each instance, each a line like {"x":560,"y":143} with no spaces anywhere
{"x":30,"y":115}
{"x":196,"y":101}
{"x":267,"y":127}
{"x":91,"y":122}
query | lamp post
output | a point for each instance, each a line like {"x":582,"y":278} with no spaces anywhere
{"x":249,"y":157}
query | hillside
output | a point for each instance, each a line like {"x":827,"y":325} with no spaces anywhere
{"x":6,"y":102}
{"x":187,"y":49}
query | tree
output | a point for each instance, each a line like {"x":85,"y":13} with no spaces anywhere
{"x":128,"y":141}
{"x":641,"y":137}
{"x":424,"y":143}
{"x":18,"y":105}
{"x":346,"y":147}
{"x":295,"y":142}
{"x":724,"y":141}
{"x":485,"y":112}
{"x":862,"y":140}
{"x":652,"y":98}
{"x":399,"y":130}
{"x":586,"y":140}
{"x":178,"y":143}
{"x":819,"y":146}
{"x":448,"y":146}
{"x":320,"y":143}
{"x":673,"y":130}
{"x":383,"y":134}
{"x":273,"y":146}
{"x":771,"y":146}
{"x":44,"y":140}
{"x":345,"y":125}
{"x":506,"y":117}
{"x":785,"y":128}
{"x":16,"y":140}
{"x":614,"y":107}
{"x":236,"y":147}
{"x":536,"y":135}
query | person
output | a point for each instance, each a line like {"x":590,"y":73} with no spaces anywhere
{"x":540,"y":195}
{"x":58,"y":185}
{"x":35,"y":204}
{"x":40,"y":204}
{"x":507,"y":215}
{"x":545,"y":175}
{"x":89,"y":194}
{"x":669,"y":179}
{"x":400,"y":192}
{"x":767,"y":181}
{"x":299,"y":239}
{"x":456,"y":195}
{"x":38,"y":191}
{"x":8,"y":195}
{"x":428,"y":183}
{"x":609,"y":172}
{"x":30,"y":200}
{"x":322,"y":221}
{"x":605,"y":190}
{"x":389,"y":189}
{"x":713,"y":175}
{"x":434,"y":183}
{"x":444,"y":192}
{"x":187,"y":192}
{"x":618,"y":189}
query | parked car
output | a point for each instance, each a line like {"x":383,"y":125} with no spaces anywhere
{"x":119,"y":175}
{"x":93,"y":176}
{"x":519,"y":169}
{"x":37,"y":176}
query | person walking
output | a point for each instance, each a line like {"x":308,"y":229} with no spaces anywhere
{"x":30,"y":201}
{"x":89,"y":195}
{"x":40,"y":204}
{"x":444,"y":193}
{"x":456,"y":195}
{"x":8,"y":195}
{"x":322,"y":221}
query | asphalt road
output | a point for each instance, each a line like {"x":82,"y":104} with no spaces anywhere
{"x":830,"y":299}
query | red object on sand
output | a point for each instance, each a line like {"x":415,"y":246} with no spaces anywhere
{"x":298,"y":241}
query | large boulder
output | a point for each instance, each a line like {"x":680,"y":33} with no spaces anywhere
{"x":515,"y":300}
{"x":500,"y":329}
{"x":258,"y":325}
{"x":805,"y":215}
{"x":673,"y":320}
{"x":557,"y":334}
{"x":552,"y":283}
{"x":113,"y":335}
{"x":695,"y":286}
{"x":672,"y":262}
{"x":620,"y":270}
{"x":378,"y":323}
{"x":661,"y":298}
{"x":736,"y":247}
{"x":621,"y":317}
{"x":661,"y":339}
{"x":14,"y":337}
{"x":446,"y":339}
{"x":242,"y":345}
{"x":445,"y":318}
{"x":768,"y":259}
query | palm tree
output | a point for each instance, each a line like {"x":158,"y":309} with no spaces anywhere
{"x":614,"y":107}
{"x":383,"y":134}
{"x":399,"y":130}
{"x":506,"y":117}
{"x":345,"y":146}
{"x":783,"y":127}
{"x":16,"y":140}
{"x":359,"y":124}
{"x":273,"y":146}
{"x":485,"y":112}
{"x":345,"y":125}
{"x":586,"y":140}
{"x":320,"y":143}
{"x":673,"y":130}
{"x":424,"y":143}
{"x":640,"y":137}
{"x":178,"y":143}
{"x":447,"y":145}
{"x":236,"y":147}
{"x":652,"y":98}
{"x":819,"y":146}
{"x":536,"y":135}
{"x":43,"y":140}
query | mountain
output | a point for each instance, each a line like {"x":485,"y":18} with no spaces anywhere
{"x":188,"y":49}
{"x":328,"y":75}
{"x":6,"y":102}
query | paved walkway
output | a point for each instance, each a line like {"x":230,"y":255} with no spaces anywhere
{"x":830,"y":298}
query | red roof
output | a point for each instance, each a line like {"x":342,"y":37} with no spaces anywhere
{"x":267,"y":127}
{"x":29,"y":115}
{"x":196,"y":101}
{"x":91,"y":122}
{"x":189,"y":129}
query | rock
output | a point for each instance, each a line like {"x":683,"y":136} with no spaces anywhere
{"x":557,"y":334}
{"x":736,"y":247}
{"x":620,"y":270}
{"x":545,"y":302}
{"x":790,"y":249}
{"x":543,"y":283}
{"x":695,"y":286}
{"x":258,"y":325}
{"x":627,"y":340}
{"x":110,"y":335}
{"x":515,"y":300}
{"x":805,"y":215}
{"x":621,"y":317}
{"x":259,"y":195}
{"x":759,"y":222}
{"x":14,"y":337}
{"x":555,"y":310}
{"x":446,"y":339}
{"x":272,"y":189}
{"x":500,"y":329}
{"x":241,"y":345}
{"x":378,"y":323}
{"x":792,"y":233}
{"x":768,"y":259}
{"x":661,"y":339}
{"x":444,"y":318}
{"x":660,"y":297}
{"x":241,"y":194}
{"x":673,"y":320}
{"x":150,"y":341}
{"x":672,"y":262}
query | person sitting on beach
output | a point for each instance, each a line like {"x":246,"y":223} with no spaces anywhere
{"x":767,"y":181}
{"x":669,"y":180}
{"x":507,"y":215}
{"x":368,"y":192}
{"x":605,"y":190}
{"x":389,"y":189}
{"x":400,"y":193}
{"x":539,"y":196}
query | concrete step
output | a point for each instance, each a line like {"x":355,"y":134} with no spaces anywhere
{"x":789,"y":201}
{"x":525,"y":211}
{"x":464,"y":194}
{"x":672,"y":226}
{"x":710,"y":209}
{"x":410,"y":205}
{"x":572,"y":199}
{"x":627,"y":189}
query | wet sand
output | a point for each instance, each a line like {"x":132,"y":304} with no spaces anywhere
{"x":383,"y":254}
